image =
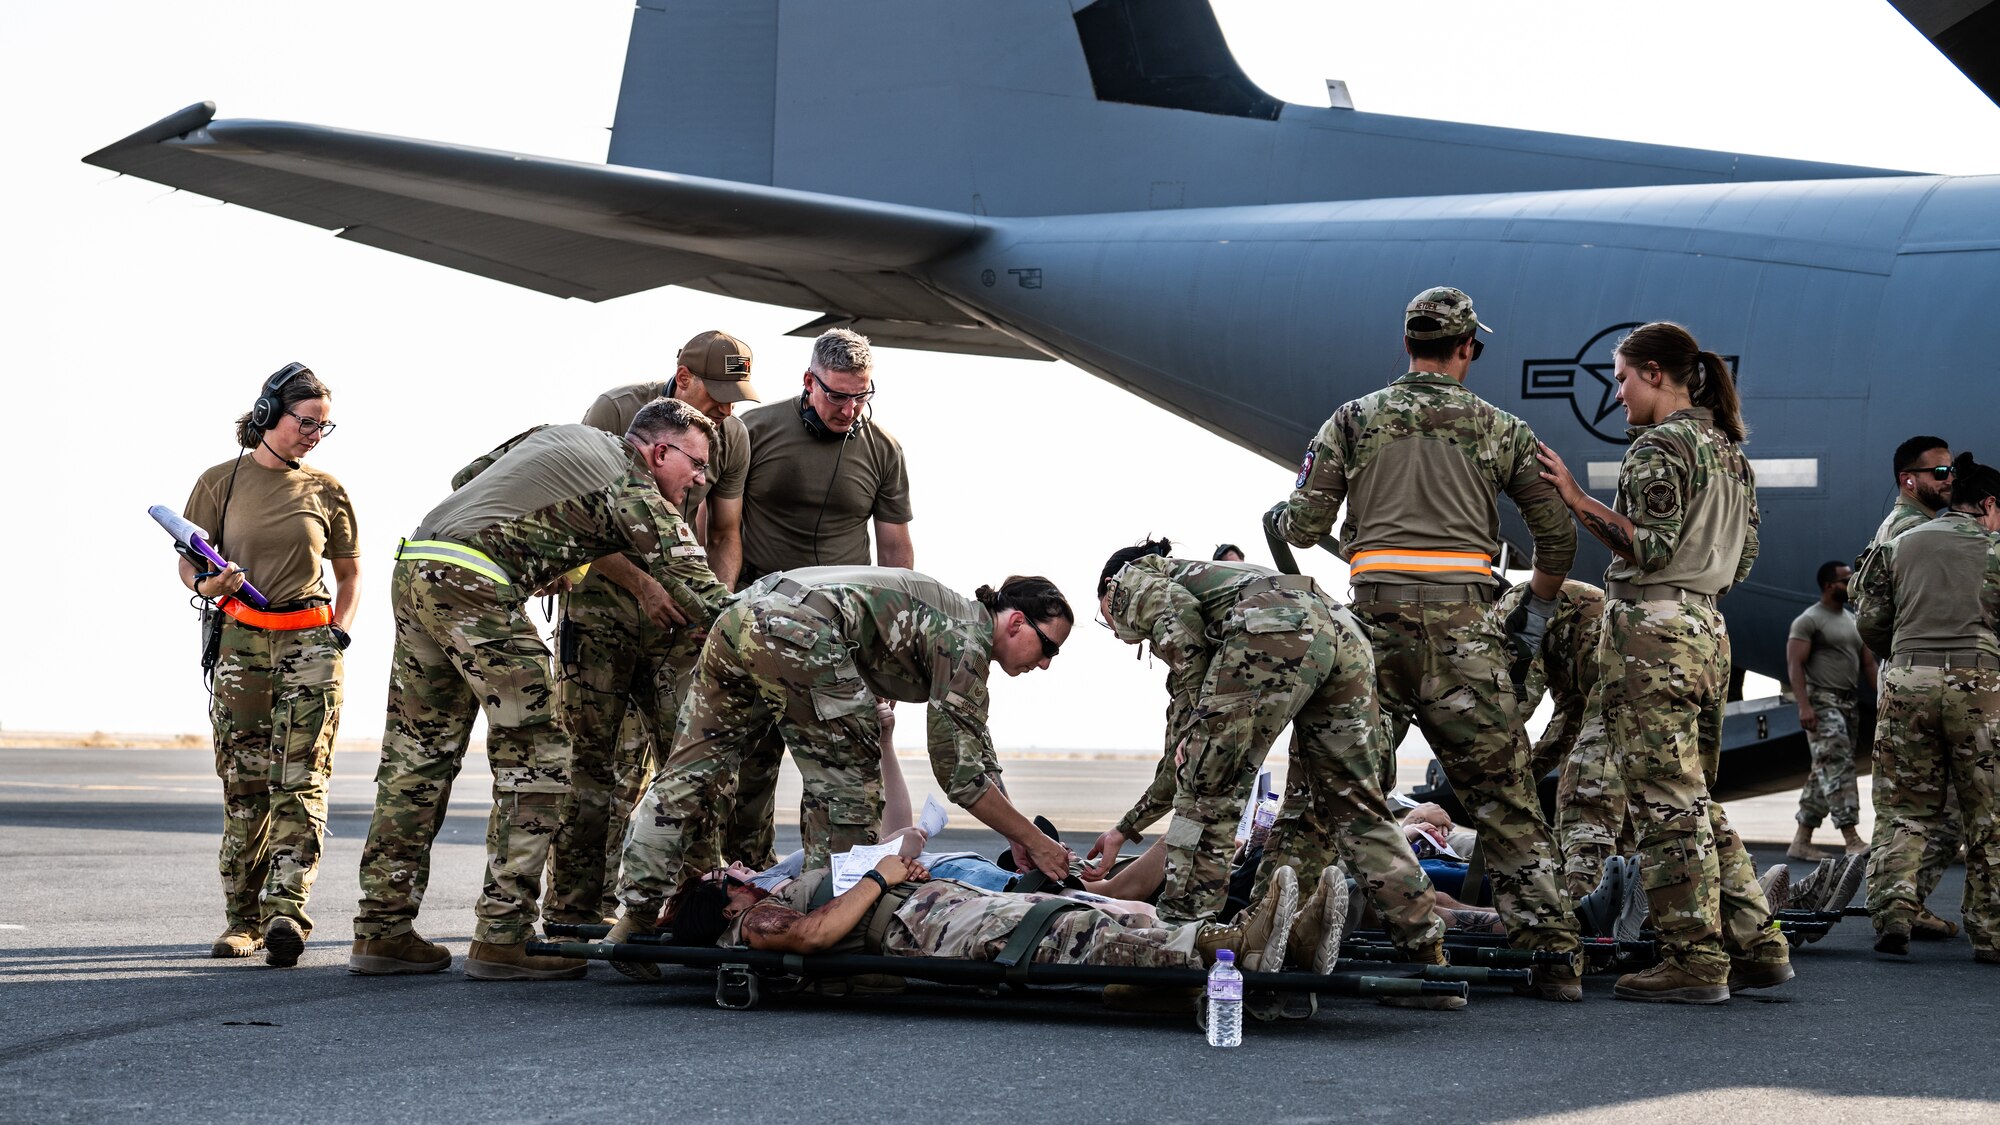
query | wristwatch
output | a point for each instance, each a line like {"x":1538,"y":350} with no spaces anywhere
{"x":879,"y":880}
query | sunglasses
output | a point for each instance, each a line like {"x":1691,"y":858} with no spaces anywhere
{"x":1937,"y":472}
{"x":1049,"y":648}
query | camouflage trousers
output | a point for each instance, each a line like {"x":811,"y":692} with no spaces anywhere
{"x":949,"y":919}
{"x":617,"y":701}
{"x":1937,"y":732}
{"x":1593,"y":817}
{"x":770,"y":662}
{"x":1831,"y":787}
{"x":1664,"y":680}
{"x":276,"y":708}
{"x":460,"y":650}
{"x":1290,"y":656}
{"x":1444,"y":664}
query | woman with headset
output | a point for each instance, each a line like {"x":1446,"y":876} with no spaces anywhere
{"x":277,"y":668}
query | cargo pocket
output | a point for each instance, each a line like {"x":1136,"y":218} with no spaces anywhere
{"x":1275,"y":619}
{"x":843,"y":698}
{"x":794,"y":632}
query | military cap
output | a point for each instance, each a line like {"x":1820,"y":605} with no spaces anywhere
{"x":1440,"y":313}
{"x":722,"y":363}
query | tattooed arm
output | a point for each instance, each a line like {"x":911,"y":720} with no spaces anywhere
{"x":1610,"y":528}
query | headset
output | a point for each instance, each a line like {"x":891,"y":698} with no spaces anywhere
{"x":819,"y":429}
{"x":270,"y":407}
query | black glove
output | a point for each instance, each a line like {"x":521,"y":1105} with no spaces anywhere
{"x":340,"y":638}
{"x":1273,"y":522}
{"x":1526,"y":628}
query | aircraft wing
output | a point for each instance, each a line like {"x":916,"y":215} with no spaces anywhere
{"x":578,"y":230}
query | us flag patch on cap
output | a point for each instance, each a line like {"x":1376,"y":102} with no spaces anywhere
{"x":736,"y":365}
{"x":1305,"y":470}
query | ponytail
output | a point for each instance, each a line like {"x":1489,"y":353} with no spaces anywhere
{"x":1708,"y":380}
{"x":1033,"y":595}
{"x":1124,"y":555}
{"x":1714,"y":386}
{"x":1972,"y":483}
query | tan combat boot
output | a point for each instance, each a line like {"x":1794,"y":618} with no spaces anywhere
{"x":624,"y":930}
{"x":284,"y":941}
{"x":1929,"y":927}
{"x":1259,"y":934}
{"x":488,"y":961}
{"x":395,"y":956}
{"x":1668,"y":983}
{"x":1556,"y":982}
{"x":1315,"y":942}
{"x":236,"y":941}
{"x":1745,"y":975}
{"x":1802,"y":846}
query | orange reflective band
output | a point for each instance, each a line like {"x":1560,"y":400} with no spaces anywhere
{"x":1421,"y":561}
{"x":264,"y":619}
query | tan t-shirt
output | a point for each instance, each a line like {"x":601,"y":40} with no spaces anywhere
{"x":728,"y":458}
{"x":1833,"y":660}
{"x":790,"y":472}
{"x":280,"y":524}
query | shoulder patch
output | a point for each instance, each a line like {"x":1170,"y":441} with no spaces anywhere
{"x":1305,"y":468}
{"x":1661,"y":499}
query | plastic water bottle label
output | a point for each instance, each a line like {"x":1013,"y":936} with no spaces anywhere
{"x":1225,"y":988}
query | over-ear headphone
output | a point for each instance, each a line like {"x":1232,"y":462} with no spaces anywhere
{"x":269,"y":407}
{"x":818,"y":427}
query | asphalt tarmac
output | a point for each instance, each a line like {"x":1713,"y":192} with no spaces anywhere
{"x":110,"y":1008}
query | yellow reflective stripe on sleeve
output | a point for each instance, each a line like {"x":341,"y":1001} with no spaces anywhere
{"x":438,"y":550}
{"x":1421,"y":561}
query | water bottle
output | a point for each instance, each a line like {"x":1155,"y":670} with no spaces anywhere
{"x":1225,"y":1002}
{"x":1262,"y":820}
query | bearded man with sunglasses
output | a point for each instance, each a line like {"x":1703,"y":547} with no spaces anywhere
{"x":1923,"y":467}
{"x":1420,"y":465}
{"x":544,"y":503}
{"x":807,"y":653}
{"x":821,"y":470}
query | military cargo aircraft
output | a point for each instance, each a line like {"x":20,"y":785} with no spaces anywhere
{"x":1098,"y":181}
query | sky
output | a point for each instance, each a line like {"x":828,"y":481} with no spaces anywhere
{"x":141,"y":321}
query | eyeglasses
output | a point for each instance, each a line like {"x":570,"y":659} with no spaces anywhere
{"x":841,"y":398}
{"x":310,"y":426}
{"x":699,"y":466}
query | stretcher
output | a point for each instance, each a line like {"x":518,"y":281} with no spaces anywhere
{"x":742,"y":975}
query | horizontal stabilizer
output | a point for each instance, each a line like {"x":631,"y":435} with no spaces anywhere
{"x":559,"y":226}
{"x":1965,"y":31}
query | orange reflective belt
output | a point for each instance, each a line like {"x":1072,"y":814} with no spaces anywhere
{"x":1421,"y":561}
{"x":264,"y":619}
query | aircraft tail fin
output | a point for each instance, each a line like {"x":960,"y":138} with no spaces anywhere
{"x":1051,"y":107}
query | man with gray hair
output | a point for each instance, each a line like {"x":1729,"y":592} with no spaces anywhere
{"x":542,"y":504}
{"x":820,"y":471}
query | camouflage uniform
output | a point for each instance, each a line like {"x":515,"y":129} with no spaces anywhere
{"x":1419,"y":465}
{"x":807,"y":652}
{"x":617,"y":701}
{"x":1591,"y":818}
{"x":1249,"y":650}
{"x":1664,"y":657}
{"x":1942,"y":842}
{"x":1933,"y":601}
{"x":943,"y":918}
{"x":619,"y":694}
{"x":464,"y":645}
{"x":276,"y":708}
{"x":1831,"y":667}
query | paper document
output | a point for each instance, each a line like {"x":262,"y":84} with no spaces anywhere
{"x":848,"y":867}
{"x":933,"y":819}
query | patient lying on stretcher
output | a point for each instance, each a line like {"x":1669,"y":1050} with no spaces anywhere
{"x":900,"y":910}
